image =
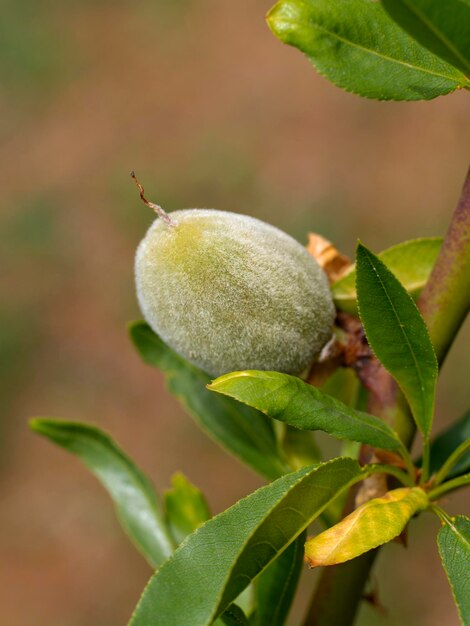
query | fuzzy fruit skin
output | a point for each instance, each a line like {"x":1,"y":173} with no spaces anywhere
{"x":229,"y":292}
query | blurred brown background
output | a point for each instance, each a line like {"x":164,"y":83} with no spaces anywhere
{"x":212,"y":111}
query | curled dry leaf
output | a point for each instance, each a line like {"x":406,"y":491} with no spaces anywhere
{"x":327,"y":256}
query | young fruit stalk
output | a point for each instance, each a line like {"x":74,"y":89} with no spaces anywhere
{"x":229,"y":292}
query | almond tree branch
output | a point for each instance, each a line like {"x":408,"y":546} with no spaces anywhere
{"x":445,"y":302}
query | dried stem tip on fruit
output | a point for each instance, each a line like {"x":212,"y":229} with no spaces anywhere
{"x":157,"y":208}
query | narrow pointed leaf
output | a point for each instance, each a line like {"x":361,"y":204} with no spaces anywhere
{"x":214,"y":564}
{"x":357,"y":46}
{"x":288,"y":399}
{"x":453,"y":541}
{"x":185,"y":506}
{"x":446,"y":442}
{"x":244,"y":432}
{"x":371,"y":525}
{"x":411,"y":262}
{"x":276,"y":586}
{"x":136,"y":502}
{"x":397,"y":334}
{"x":441,"y":27}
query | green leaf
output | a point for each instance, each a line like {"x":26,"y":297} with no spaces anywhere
{"x":246,"y":600}
{"x":234,"y":616}
{"x":343,"y":384}
{"x":186,"y":507}
{"x":276,"y":586}
{"x":453,"y":541}
{"x":441,"y":27}
{"x":446,"y":442}
{"x":135,"y":500}
{"x":244,"y":604}
{"x":358,"y":47}
{"x":299,"y":446}
{"x":214,"y":564}
{"x":411,"y":262}
{"x":290,"y":400}
{"x":246,"y":433}
{"x":397,"y":334}
{"x":376,"y":522}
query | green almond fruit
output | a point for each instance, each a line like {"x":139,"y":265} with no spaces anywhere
{"x":229,"y":292}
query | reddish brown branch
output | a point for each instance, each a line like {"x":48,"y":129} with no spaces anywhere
{"x":445,"y":301}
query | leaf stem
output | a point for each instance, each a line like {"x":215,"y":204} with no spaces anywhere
{"x":391,"y":470}
{"x":456,"y":455}
{"x":410,"y":467}
{"x":426,"y":461}
{"x":450,"y":485}
{"x":441,"y":514}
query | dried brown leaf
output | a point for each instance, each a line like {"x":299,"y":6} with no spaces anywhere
{"x":328,"y":257}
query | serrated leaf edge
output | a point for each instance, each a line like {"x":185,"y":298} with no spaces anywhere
{"x":302,"y":474}
{"x":436,"y":368}
{"x":446,"y":523}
